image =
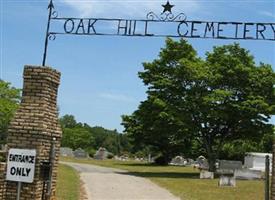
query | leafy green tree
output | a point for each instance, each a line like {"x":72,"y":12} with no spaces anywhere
{"x":68,"y":121}
{"x":9,"y":101}
{"x":77,"y":138}
{"x":220,"y":99}
{"x":76,"y":134}
{"x":153,"y":125}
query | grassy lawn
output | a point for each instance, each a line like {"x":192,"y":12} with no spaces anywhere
{"x":68,"y":183}
{"x":184,"y":181}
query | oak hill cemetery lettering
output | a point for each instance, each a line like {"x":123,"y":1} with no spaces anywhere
{"x":164,"y":25}
{"x":187,"y":29}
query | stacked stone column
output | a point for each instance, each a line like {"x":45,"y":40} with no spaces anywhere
{"x":34,"y":126}
{"x":2,"y":180}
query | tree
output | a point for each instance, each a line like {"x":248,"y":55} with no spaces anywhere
{"x":77,"y":138}
{"x":81,"y":135}
{"x":220,"y":99}
{"x":153,"y":126}
{"x":9,"y":101}
{"x":68,"y":121}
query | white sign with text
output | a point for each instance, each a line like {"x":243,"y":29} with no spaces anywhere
{"x":21,"y":165}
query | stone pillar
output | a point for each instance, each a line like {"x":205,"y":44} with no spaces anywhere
{"x":34,"y":125}
{"x":2,"y":180}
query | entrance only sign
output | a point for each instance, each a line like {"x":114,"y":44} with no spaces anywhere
{"x":21,"y":165}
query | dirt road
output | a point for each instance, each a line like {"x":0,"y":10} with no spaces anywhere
{"x":103,"y":183}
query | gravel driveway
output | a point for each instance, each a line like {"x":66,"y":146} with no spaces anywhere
{"x":103,"y":183}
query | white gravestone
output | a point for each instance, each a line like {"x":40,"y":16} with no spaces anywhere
{"x":256,"y":161}
{"x":248,"y":174}
{"x":206,"y":174}
{"x":227,"y":180}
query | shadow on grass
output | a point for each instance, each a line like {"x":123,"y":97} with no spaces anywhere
{"x":140,"y":164}
{"x":190,"y":175}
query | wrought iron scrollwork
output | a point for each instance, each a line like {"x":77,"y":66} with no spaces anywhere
{"x":52,"y":36}
{"x":166,"y":16}
{"x":54,"y":14}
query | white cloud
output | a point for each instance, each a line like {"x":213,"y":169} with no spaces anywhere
{"x":116,"y":97}
{"x":128,"y":8}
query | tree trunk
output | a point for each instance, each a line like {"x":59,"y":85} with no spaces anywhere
{"x":211,"y":162}
{"x":211,"y":157}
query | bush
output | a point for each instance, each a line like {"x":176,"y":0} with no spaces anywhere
{"x":110,"y":155}
{"x":162,"y":160}
{"x":91,"y":152}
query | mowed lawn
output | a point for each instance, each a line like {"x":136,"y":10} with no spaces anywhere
{"x":68,"y":183}
{"x":184,"y":182}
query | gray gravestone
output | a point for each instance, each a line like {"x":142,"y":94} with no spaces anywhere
{"x":80,"y":153}
{"x":230,"y":165}
{"x":65,"y":151}
{"x":178,"y":161}
{"x":227,"y":169}
{"x":101,"y":154}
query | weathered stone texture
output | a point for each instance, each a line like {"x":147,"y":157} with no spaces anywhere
{"x":34,"y":125}
{"x":2,"y":180}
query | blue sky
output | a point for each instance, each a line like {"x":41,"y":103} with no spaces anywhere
{"x":99,"y":74}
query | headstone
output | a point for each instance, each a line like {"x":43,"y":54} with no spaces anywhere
{"x":203,"y":163}
{"x":227,"y":169}
{"x":101,"y":154}
{"x":80,"y":153}
{"x":256,"y":161}
{"x":248,"y":174}
{"x":227,"y":180}
{"x":178,"y":161}
{"x":229,"y":166}
{"x":65,"y":151}
{"x":190,"y":161}
{"x":206,"y":174}
{"x":149,"y":158}
{"x":124,"y":158}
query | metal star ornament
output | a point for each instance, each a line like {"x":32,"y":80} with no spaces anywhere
{"x":167,"y":7}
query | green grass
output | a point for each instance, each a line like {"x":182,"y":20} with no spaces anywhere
{"x":184,"y":182}
{"x":68,"y":183}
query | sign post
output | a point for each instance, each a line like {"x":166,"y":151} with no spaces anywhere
{"x":21,"y":167}
{"x":267,"y":165}
{"x":18,"y":190}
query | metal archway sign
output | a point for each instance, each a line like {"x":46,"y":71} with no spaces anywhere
{"x":177,"y":26}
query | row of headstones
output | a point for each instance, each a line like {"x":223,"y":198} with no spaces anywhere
{"x":100,"y":154}
{"x":78,"y":153}
{"x":229,"y":171}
